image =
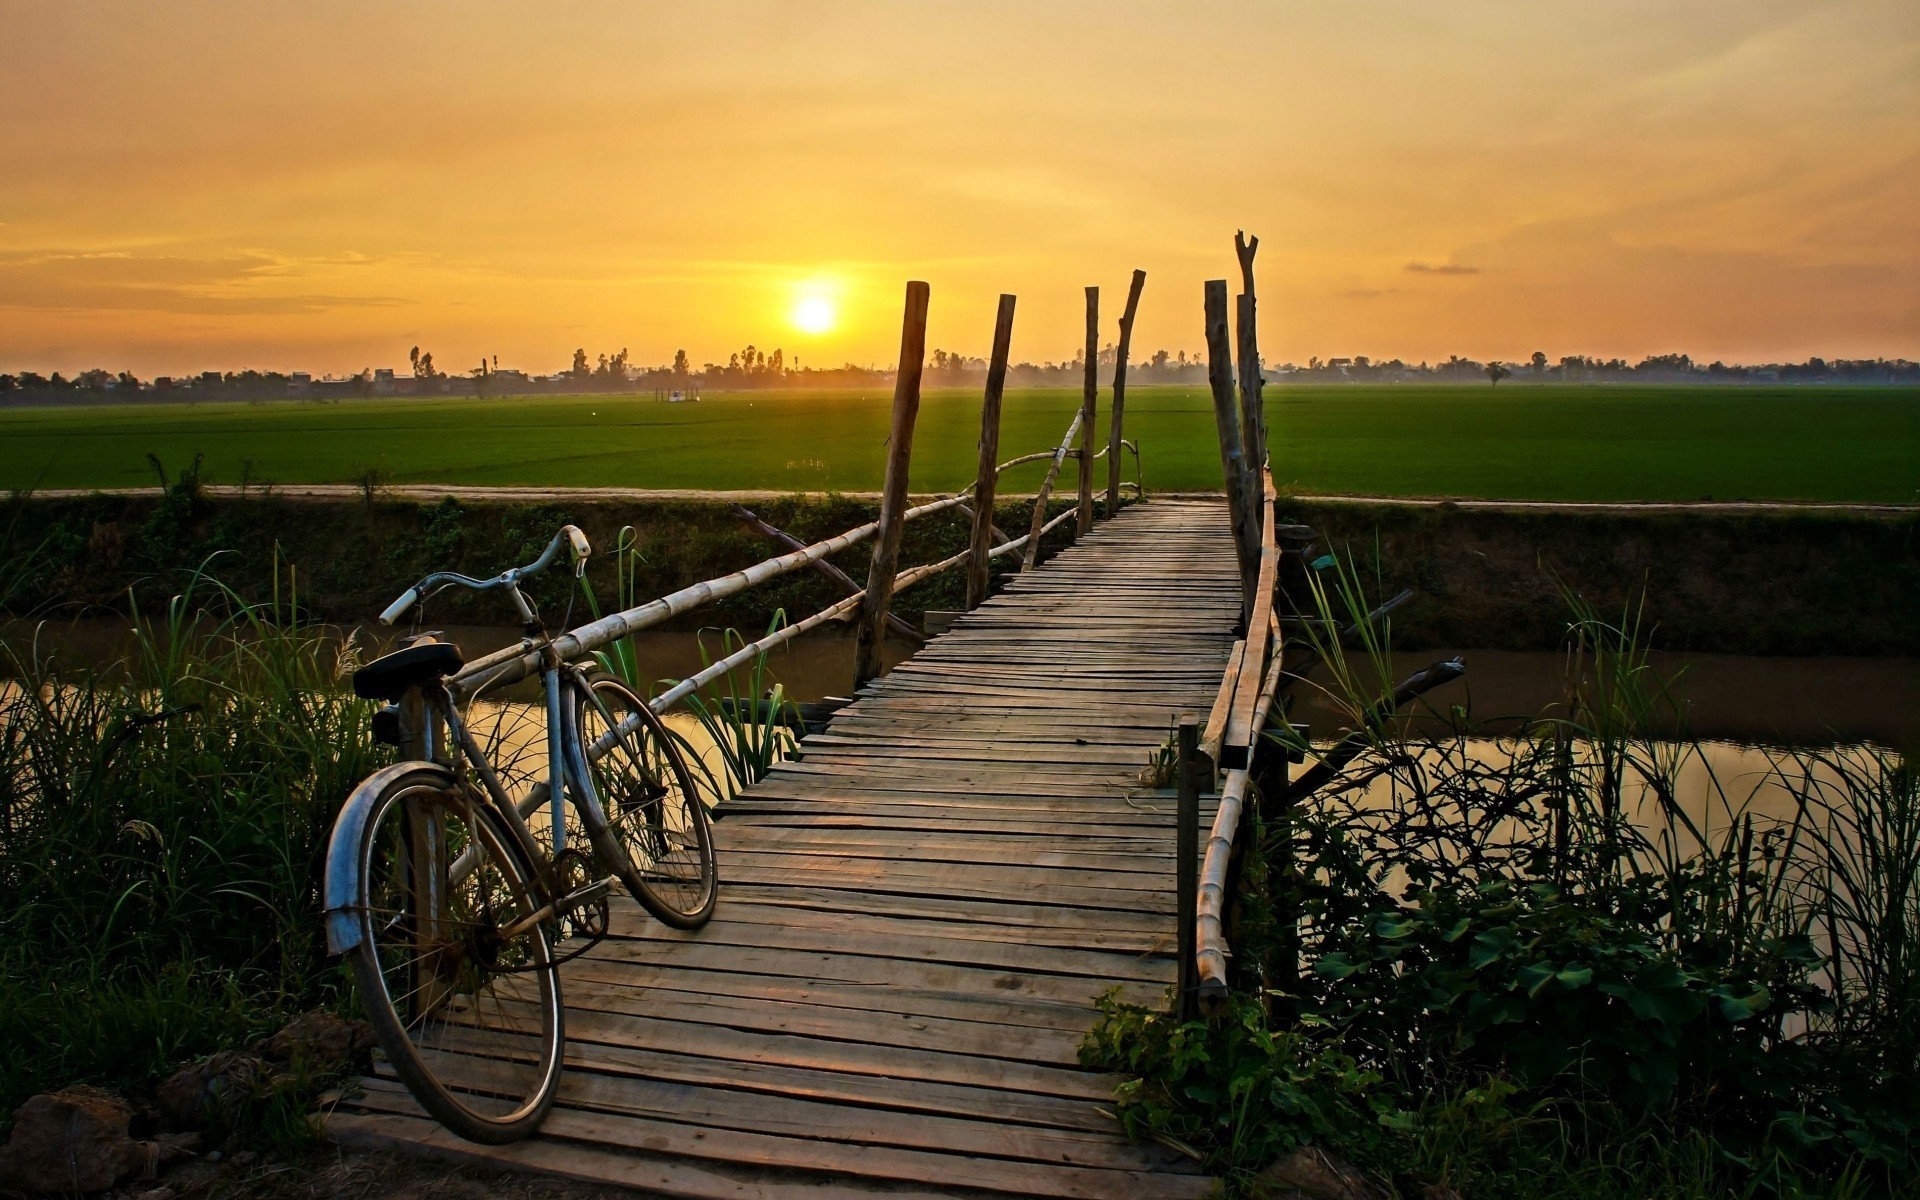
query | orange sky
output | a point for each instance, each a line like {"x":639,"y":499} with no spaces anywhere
{"x":320,"y":186}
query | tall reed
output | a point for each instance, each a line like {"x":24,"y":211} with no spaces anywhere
{"x":163,"y":821}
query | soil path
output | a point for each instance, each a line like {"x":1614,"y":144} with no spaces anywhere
{"x":430,"y":492}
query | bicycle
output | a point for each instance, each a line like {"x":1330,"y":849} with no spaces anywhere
{"x":454,"y":916}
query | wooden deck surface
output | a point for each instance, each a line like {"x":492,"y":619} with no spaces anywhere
{"x":913,"y":920}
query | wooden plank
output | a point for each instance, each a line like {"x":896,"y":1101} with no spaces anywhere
{"x":806,"y":1154}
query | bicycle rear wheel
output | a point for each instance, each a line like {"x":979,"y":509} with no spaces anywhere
{"x":457,"y":981}
{"x":641,"y":810}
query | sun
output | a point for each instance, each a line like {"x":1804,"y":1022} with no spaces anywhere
{"x":813,"y":314}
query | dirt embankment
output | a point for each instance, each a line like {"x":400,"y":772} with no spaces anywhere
{"x":1741,"y":581}
{"x":1745,"y":581}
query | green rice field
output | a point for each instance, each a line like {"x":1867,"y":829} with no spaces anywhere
{"x":1543,"y":442}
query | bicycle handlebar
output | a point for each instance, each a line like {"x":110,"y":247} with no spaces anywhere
{"x":569,"y":536}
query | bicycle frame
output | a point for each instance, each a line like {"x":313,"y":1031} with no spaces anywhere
{"x":567,"y":765}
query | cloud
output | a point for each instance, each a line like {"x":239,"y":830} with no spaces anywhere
{"x":1366,"y":293}
{"x":1420,"y":268}
{"x":124,"y":281}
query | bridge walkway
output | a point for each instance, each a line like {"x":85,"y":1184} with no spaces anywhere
{"x":914,"y":920}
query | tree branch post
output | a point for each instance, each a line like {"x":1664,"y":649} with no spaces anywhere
{"x":1120,"y":390}
{"x":1089,"y":399}
{"x":987,"y":480}
{"x":893,"y":500}
{"x":1253,"y":411}
{"x":1233,"y":462}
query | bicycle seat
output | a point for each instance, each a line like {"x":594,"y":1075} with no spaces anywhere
{"x":389,"y":676}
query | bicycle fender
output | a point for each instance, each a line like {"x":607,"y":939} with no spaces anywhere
{"x":342,"y":881}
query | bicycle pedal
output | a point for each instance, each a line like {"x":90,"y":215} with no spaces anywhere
{"x":592,"y":893}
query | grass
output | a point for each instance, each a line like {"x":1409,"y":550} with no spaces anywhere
{"x":1545,"y":442}
{"x":162,"y":827}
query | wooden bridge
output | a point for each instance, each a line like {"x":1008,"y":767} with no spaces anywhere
{"x":917,"y":916}
{"x":915,"y":919}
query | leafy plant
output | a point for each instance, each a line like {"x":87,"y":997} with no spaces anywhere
{"x":1608,"y":955}
{"x":747,"y":718}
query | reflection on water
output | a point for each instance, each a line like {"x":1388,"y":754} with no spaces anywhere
{"x":1725,"y":697}
{"x":1713,"y":784}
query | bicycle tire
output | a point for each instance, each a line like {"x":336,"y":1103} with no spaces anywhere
{"x":641,"y":810}
{"x":489,"y":1078}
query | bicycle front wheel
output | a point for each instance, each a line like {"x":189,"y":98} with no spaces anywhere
{"x":454,"y":970}
{"x":641,"y":810}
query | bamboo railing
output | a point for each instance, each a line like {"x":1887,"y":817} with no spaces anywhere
{"x":872,"y":602}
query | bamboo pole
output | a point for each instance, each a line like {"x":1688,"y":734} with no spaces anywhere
{"x":787,"y":541}
{"x":1210,"y":896}
{"x":1253,"y":412}
{"x":1089,"y":399}
{"x":988,"y":479}
{"x":1046,"y":491}
{"x":514,"y":663}
{"x":893,"y":501}
{"x":753,"y":650}
{"x":1120,"y":390}
{"x":1226,"y":417}
{"x":1185,"y":839}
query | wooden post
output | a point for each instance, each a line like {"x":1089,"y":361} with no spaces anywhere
{"x":1226,"y":416}
{"x":1120,"y":391}
{"x":1253,"y":412}
{"x":988,"y":480}
{"x":893,"y":500}
{"x":1186,"y":869}
{"x":1089,"y":398}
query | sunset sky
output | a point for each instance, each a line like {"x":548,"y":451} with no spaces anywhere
{"x":320,"y":186}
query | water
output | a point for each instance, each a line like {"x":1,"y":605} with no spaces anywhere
{"x":1727,"y":698}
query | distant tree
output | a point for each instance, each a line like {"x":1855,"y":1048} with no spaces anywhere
{"x":580,"y":369}
{"x":1496,"y":372}
{"x":8,"y":383}
{"x":776,"y":364}
{"x":96,"y":379}
{"x":127,"y":380}
{"x":413,"y":357}
{"x":681,"y":365}
{"x":1539,"y":362}
{"x":33,"y":379}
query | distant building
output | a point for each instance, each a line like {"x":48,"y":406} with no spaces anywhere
{"x":383,"y":381}
{"x":299,"y":383}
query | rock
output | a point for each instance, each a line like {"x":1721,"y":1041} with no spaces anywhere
{"x":321,"y":1043}
{"x":208,"y":1093}
{"x":74,"y":1140}
{"x":159,"y":1193}
{"x":1311,"y":1173}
